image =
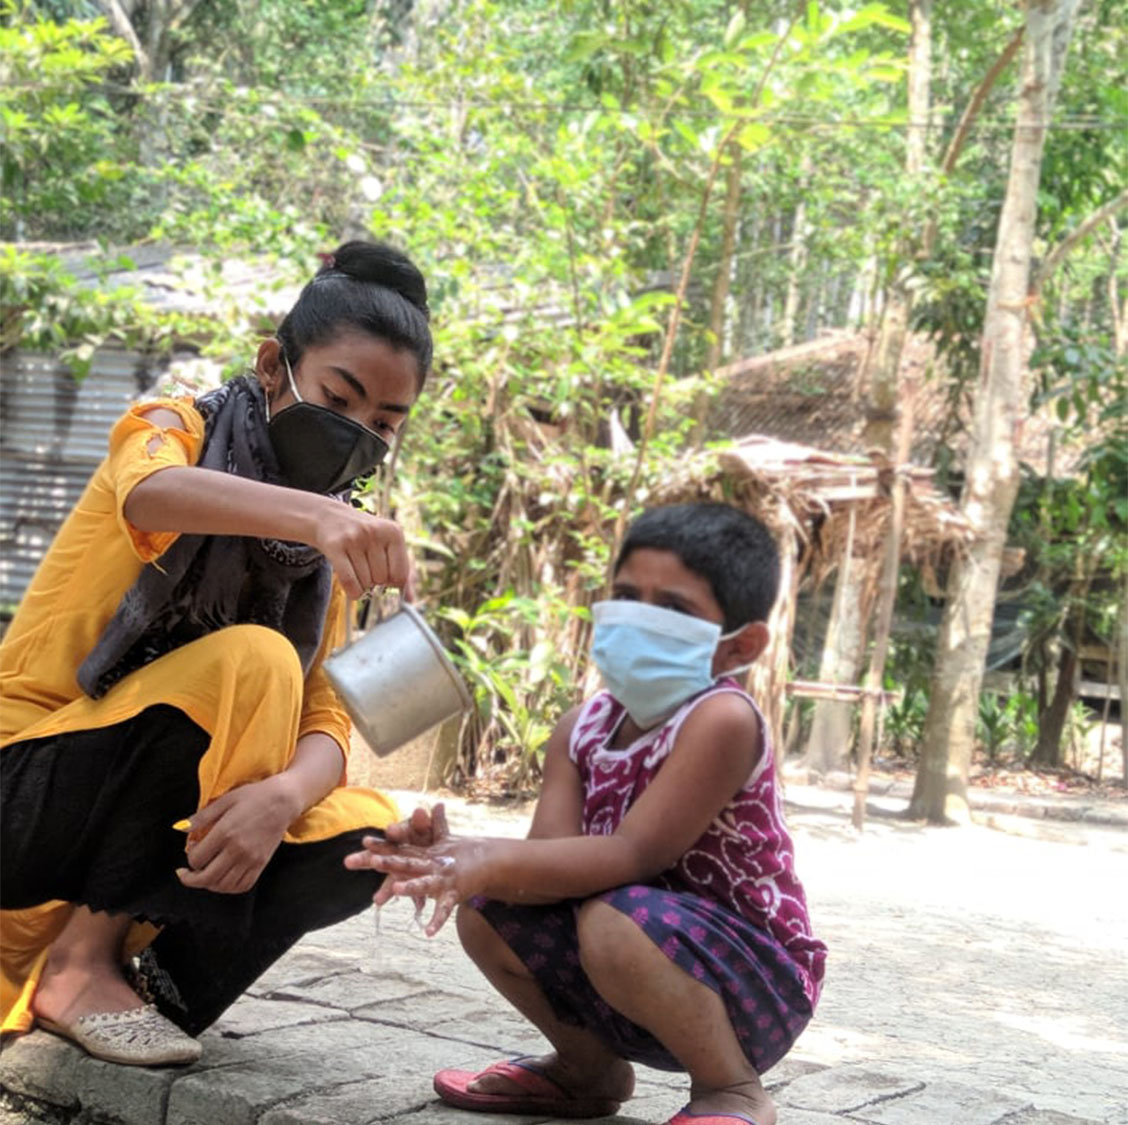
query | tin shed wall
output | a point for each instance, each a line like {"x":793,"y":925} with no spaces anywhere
{"x":53,"y":434}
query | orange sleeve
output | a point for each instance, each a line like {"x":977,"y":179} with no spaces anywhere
{"x":140,"y":447}
{"x":321,"y":706}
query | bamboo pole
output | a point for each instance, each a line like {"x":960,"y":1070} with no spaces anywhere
{"x":886,"y":600}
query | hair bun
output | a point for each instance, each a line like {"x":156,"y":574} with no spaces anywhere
{"x":377,"y":263}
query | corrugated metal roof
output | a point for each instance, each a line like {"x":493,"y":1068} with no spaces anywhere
{"x":172,"y":279}
{"x":53,"y":434}
{"x":54,"y":428}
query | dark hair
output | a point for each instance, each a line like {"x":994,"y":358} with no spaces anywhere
{"x":368,"y":287}
{"x":732,"y":550}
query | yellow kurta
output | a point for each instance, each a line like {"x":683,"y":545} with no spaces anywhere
{"x":243,"y":684}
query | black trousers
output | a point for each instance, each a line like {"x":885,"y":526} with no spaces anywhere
{"x":87,"y":817}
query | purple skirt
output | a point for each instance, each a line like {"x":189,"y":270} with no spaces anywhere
{"x":761,"y":987}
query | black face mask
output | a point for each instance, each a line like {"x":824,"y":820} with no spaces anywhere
{"x":319,"y":450}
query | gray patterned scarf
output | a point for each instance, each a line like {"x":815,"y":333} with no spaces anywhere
{"x":207,"y":582}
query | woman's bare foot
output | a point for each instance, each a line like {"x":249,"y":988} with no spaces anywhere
{"x":83,"y":973}
{"x":748,"y":1098}
{"x":69,"y":989}
{"x":614,"y":1081}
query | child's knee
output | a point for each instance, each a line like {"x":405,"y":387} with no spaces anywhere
{"x":607,"y":939}
{"x":474,"y":932}
{"x":484,"y":945}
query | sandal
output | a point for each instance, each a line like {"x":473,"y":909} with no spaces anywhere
{"x":537,"y":1093}
{"x":135,"y":1037}
{"x":684,"y":1117}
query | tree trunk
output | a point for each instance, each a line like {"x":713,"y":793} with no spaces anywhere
{"x":746,"y":335}
{"x":991,"y":484}
{"x":1047,"y":751}
{"x":885,"y":357}
{"x":153,"y":55}
{"x":1121,"y":332}
{"x":920,"y":86}
{"x":828,"y":744}
{"x":769,"y":674}
{"x":830,"y":726}
{"x":152,"y":43}
{"x":1051,"y":721}
{"x":798,"y":260}
{"x":721,"y":286}
{"x":1122,"y":676}
{"x":722,"y":282}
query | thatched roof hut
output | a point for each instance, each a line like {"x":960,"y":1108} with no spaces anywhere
{"x":820,"y":505}
{"x":816,"y":393}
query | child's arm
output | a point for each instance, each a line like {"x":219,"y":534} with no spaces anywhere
{"x":561,"y":800}
{"x":558,"y":806}
{"x":712,"y":759}
{"x":558,"y":811}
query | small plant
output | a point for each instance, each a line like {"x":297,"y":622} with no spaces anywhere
{"x":907,"y":677}
{"x":1010,"y":724}
{"x":903,"y":723}
{"x":521,"y":685}
{"x":1079,"y":723}
{"x":992,"y":725}
{"x":1022,"y":716}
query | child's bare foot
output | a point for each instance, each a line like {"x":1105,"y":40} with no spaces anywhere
{"x":614,"y":1081}
{"x":70,"y":989}
{"x":748,"y":1098}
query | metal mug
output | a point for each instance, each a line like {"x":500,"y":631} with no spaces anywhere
{"x":397,"y":681}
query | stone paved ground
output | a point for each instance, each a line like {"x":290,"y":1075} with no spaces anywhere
{"x":976,"y":976}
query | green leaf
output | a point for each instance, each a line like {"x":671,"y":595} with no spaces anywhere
{"x":686,"y":132}
{"x":873,"y":15}
{"x":753,"y":135}
{"x":886,"y":72}
{"x":758,"y":40}
{"x":735,"y":27}
{"x":719,"y":96}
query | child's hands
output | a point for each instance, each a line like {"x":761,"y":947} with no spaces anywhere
{"x":421,"y":829}
{"x":443,"y":872}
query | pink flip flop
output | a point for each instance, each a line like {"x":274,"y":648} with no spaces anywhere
{"x":537,"y":1093}
{"x":684,"y":1117}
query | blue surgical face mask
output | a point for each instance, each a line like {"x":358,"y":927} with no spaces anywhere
{"x":653,"y":659}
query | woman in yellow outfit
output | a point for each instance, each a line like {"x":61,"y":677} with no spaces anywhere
{"x":166,"y":664}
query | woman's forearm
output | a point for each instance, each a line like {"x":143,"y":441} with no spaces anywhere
{"x":363,"y":550}
{"x":207,"y":502}
{"x":313,"y":773}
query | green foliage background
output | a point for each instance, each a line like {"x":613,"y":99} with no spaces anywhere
{"x":547,"y":164}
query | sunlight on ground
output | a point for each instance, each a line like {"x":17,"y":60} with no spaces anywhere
{"x":831,"y":1044}
{"x":1068,"y":1034}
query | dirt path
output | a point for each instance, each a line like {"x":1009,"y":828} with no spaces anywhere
{"x":974,"y":956}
